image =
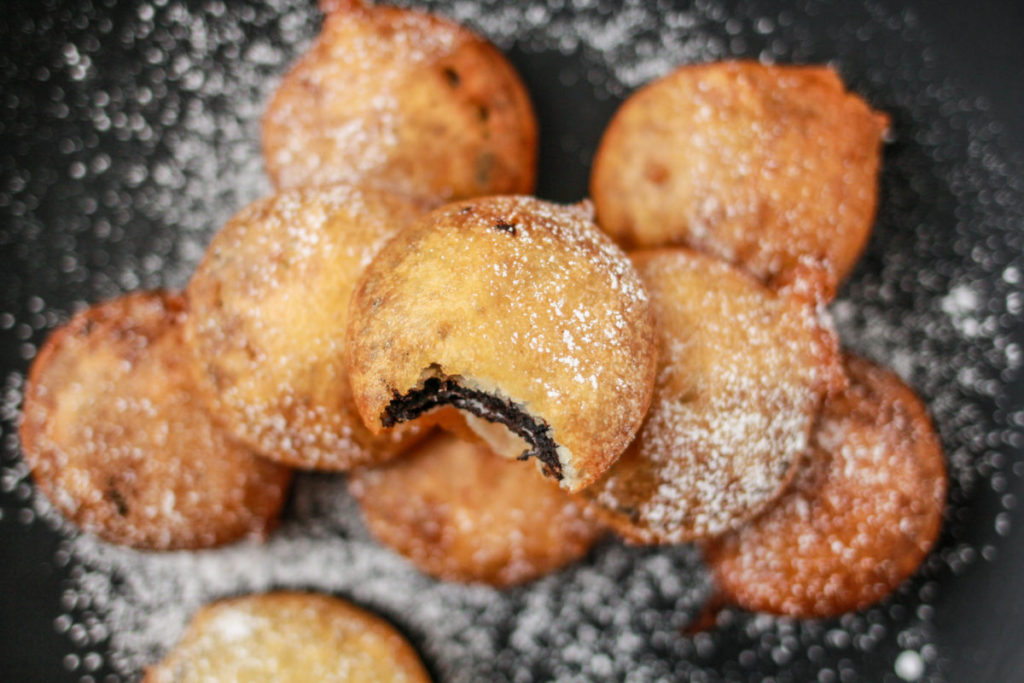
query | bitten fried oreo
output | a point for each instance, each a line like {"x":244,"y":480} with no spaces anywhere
{"x":405,"y":99}
{"x":742,"y":373}
{"x":269,"y":304}
{"x":755,"y":164}
{"x":122,"y":445}
{"x":459,"y":512}
{"x":521,"y":314}
{"x":858,"y":519}
{"x":289,"y":637}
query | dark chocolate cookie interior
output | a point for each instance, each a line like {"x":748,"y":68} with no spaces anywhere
{"x":437,"y":391}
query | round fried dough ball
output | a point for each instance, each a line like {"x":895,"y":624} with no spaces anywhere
{"x":289,"y":637}
{"x":859,"y":518}
{"x":459,"y":512}
{"x":404,"y":99}
{"x":519,"y":313}
{"x":269,"y":303}
{"x":122,"y":445}
{"x":755,"y":164}
{"x":742,"y":373}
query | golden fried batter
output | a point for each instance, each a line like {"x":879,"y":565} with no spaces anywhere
{"x":518,"y":312}
{"x":269,"y":304}
{"x":288,"y":637}
{"x":859,"y":518}
{"x":741,"y":377}
{"x":755,"y":164}
{"x":459,"y":512}
{"x":403,"y":99}
{"x":121,"y":444}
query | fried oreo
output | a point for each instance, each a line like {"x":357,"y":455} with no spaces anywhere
{"x":521,"y":314}
{"x":289,"y":637}
{"x":860,"y":516}
{"x":459,"y":512}
{"x":403,"y":99}
{"x":742,"y":373}
{"x":755,"y":164}
{"x":269,"y":304}
{"x":120,"y":442}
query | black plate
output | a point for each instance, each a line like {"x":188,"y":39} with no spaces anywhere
{"x":128,"y":134}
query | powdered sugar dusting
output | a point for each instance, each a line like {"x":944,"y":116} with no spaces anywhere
{"x":284,"y":635}
{"x":859,"y":516}
{"x":269,"y":307}
{"x":404,"y":98}
{"x":121,"y":443}
{"x":740,"y":382}
{"x":460,"y":512}
{"x":129,"y":138}
{"x":303,"y":143}
{"x":526,"y":299}
{"x":468,"y":633}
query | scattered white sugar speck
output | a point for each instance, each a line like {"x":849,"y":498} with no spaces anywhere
{"x":178,"y":125}
{"x":466,"y":632}
{"x":909,"y":665}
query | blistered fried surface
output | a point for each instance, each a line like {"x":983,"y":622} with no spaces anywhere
{"x":406,"y":99}
{"x":289,"y":637}
{"x":755,"y":164}
{"x":527,"y":300}
{"x":121,"y":444}
{"x":858,"y":519}
{"x":459,"y":512}
{"x":269,"y":305}
{"x":742,"y":373}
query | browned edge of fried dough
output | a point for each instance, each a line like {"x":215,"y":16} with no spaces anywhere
{"x":852,"y":526}
{"x":495,"y":99}
{"x":340,"y":641}
{"x":91,"y":481}
{"x":459,"y":511}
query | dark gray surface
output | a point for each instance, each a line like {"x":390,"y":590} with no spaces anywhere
{"x":979,"y":610}
{"x":980,"y":615}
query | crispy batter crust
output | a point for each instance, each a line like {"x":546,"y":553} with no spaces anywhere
{"x":520,"y":299}
{"x":742,"y":374}
{"x":121,"y":444}
{"x":289,"y":636}
{"x":858,"y":519}
{"x":405,"y":99}
{"x":269,"y":306}
{"x":459,"y":512}
{"x":755,"y":164}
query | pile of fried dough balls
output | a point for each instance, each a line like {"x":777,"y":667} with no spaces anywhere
{"x":403,"y":311}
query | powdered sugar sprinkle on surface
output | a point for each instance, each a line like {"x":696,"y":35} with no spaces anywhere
{"x":156,"y":153}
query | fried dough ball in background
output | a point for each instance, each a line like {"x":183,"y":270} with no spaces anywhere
{"x":742,"y":374}
{"x":758,"y":165}
{"x":269,"y":303}
{"x":406,"y":99}
{"x":459,"y":512}
{"x":859,"y":518}
{"x":122,"y":445}
{"x":522,"y":314}
{"x":289,"y":637}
